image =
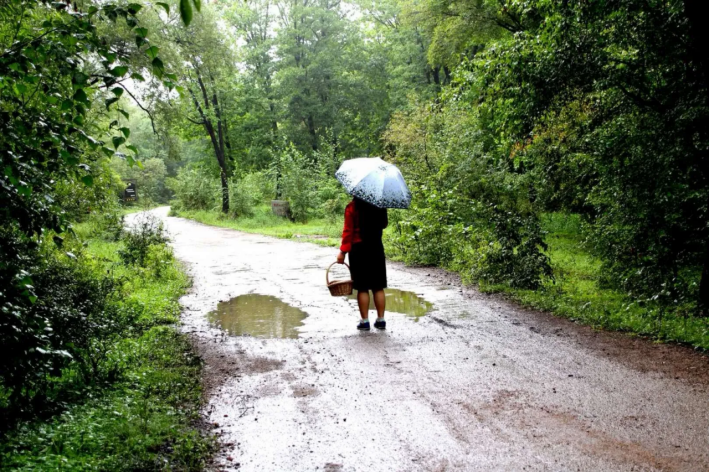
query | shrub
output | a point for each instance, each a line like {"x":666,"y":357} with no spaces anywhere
{"x":299,"y":187}
{"x":195,"y":190}
{"x":246,"y":193}
{"x":146,"y":232}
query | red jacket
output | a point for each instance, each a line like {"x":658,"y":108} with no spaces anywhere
{"x":350,"y":233}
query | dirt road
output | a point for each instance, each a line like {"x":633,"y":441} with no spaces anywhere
{"x":475,"y":384}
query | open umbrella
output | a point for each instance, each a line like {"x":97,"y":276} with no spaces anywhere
{"x":375,"y":181}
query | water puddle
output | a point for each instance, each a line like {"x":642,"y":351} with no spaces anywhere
{"x":259,"y":316}
{"x":402,"y":302}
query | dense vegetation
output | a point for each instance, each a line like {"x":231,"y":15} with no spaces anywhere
{"x":556,"y":150}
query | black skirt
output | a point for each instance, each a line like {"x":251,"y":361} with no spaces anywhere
{"x":368,"y":265}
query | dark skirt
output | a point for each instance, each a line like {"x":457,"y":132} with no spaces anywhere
{"x":368,"y":265}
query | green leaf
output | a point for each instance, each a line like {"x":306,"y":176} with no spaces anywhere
{"x":107,"y":151}
{"x":140,"y":41}
{"x":118,"y":141}
{"x":158,"y":67}
{"x":165,"y":6}
{"x":172,"y":76}
{"x":152,"y":52}
{"x":186,"y":12}
{"x":125,"y":131}
{"x":67,"y":105}
{"x":92,"y":11}
{"x":132,"y":148}
{"x":80,"y":96}
{"x":124,"y":113}
{"x":117,"y":91}
{"x":142,"y":32}
{"x":198,"y":5}
{"x":88,"y":181}
{"x":119,"y":71}
{"x":137,"y":77}
{"x":59,"y":241}
{"x":110,"y":102}
{"x":134,"y":8}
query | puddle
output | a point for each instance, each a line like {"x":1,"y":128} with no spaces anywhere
{"x":259,"y":316}
{"x":402,"y":302}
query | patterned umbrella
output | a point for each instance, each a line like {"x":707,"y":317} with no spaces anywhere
{"x":375,"y":181}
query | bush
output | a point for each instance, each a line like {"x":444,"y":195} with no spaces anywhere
{"x":246,"y":193}
{"x":140,"y":239}
{"x":195,"y":190}
{"x":299,"y":187}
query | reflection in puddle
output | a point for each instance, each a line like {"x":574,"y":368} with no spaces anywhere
{"x":402,"y":302}
{"x":259,"y":316}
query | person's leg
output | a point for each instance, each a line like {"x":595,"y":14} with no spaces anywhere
{"x":379,"y":302}
{"x":363,"y":302}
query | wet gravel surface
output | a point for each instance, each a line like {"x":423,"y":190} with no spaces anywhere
{"x":477,"y":384}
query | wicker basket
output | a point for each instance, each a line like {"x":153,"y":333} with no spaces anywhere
{"x":338,"y":288}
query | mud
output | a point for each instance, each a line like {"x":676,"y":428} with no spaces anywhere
{"x":477,"y":384}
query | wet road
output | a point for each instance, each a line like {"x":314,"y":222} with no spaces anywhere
{"x":477,"y":384}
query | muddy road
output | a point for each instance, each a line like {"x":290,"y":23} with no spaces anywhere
{"x":474,"y":384}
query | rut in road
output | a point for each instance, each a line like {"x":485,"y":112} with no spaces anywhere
{"x":477,"y":384}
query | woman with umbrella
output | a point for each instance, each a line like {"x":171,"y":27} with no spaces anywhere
{"x":375,"y":185}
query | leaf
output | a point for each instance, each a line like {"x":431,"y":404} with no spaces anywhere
{"x":140,"y":41}
{"x":124,"y":113}
{"x":59,"y":241}
{"x":117,"y":91}
{"x":152,"y":52}
{"x":88,"y":181}
{"x":198,"y":5}
{"x":119,"y":71}
{"x":141,"y":32}
{"x":132,"y":148}
{"x":125,"y":131}
{"x":110,"y":102}
{"x":107,"y":151}
{"x":186,"y":12}
{"x":118,"y":141}
{"x":80,"y":96}
{"x":67,"y":105}
{"x":165,"y":6}
{"x":92,"y":11}
{"x":158,"y":67}
{"x":137,"y":77}
{"x":134,"y":8}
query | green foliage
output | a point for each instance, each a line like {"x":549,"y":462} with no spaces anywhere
{"x":247,"y":193}
{"x":142,"y":239}
{"x":297,"y":183}
{"x":194,"y":190}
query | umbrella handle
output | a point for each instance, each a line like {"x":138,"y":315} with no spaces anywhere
{"x":327,"y":273}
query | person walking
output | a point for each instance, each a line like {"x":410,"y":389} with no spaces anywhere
{"x":362,"y":239}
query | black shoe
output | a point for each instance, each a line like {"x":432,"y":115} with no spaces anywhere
{"x":380,"y":324}
{"x":363,"y":325}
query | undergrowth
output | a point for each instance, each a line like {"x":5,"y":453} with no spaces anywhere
{"x":142,"y":417}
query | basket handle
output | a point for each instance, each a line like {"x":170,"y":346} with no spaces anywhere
{"x":327,"y":273}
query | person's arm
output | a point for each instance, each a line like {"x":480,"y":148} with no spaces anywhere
{"x":347,"y":234}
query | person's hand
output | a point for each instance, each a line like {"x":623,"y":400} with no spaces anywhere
{"x":341,"y":258}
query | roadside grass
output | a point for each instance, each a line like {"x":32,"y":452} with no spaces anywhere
{"x":574,"y":293}
{"x":147,"y":420}
{"x":321,"y":231}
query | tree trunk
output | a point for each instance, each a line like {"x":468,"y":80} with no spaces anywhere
{"x":225,"y":192}
{"x":699,"y":38}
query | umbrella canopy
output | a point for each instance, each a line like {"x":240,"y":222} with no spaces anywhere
{"x":375,"y":181}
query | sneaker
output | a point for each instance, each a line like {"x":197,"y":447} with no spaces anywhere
{"x":363,"y":325}
{"x":380,"y":324}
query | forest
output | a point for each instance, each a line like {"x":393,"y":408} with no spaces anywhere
{"x":557,"y":152}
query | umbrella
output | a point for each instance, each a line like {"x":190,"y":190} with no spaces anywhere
{"x":375,"y":181}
